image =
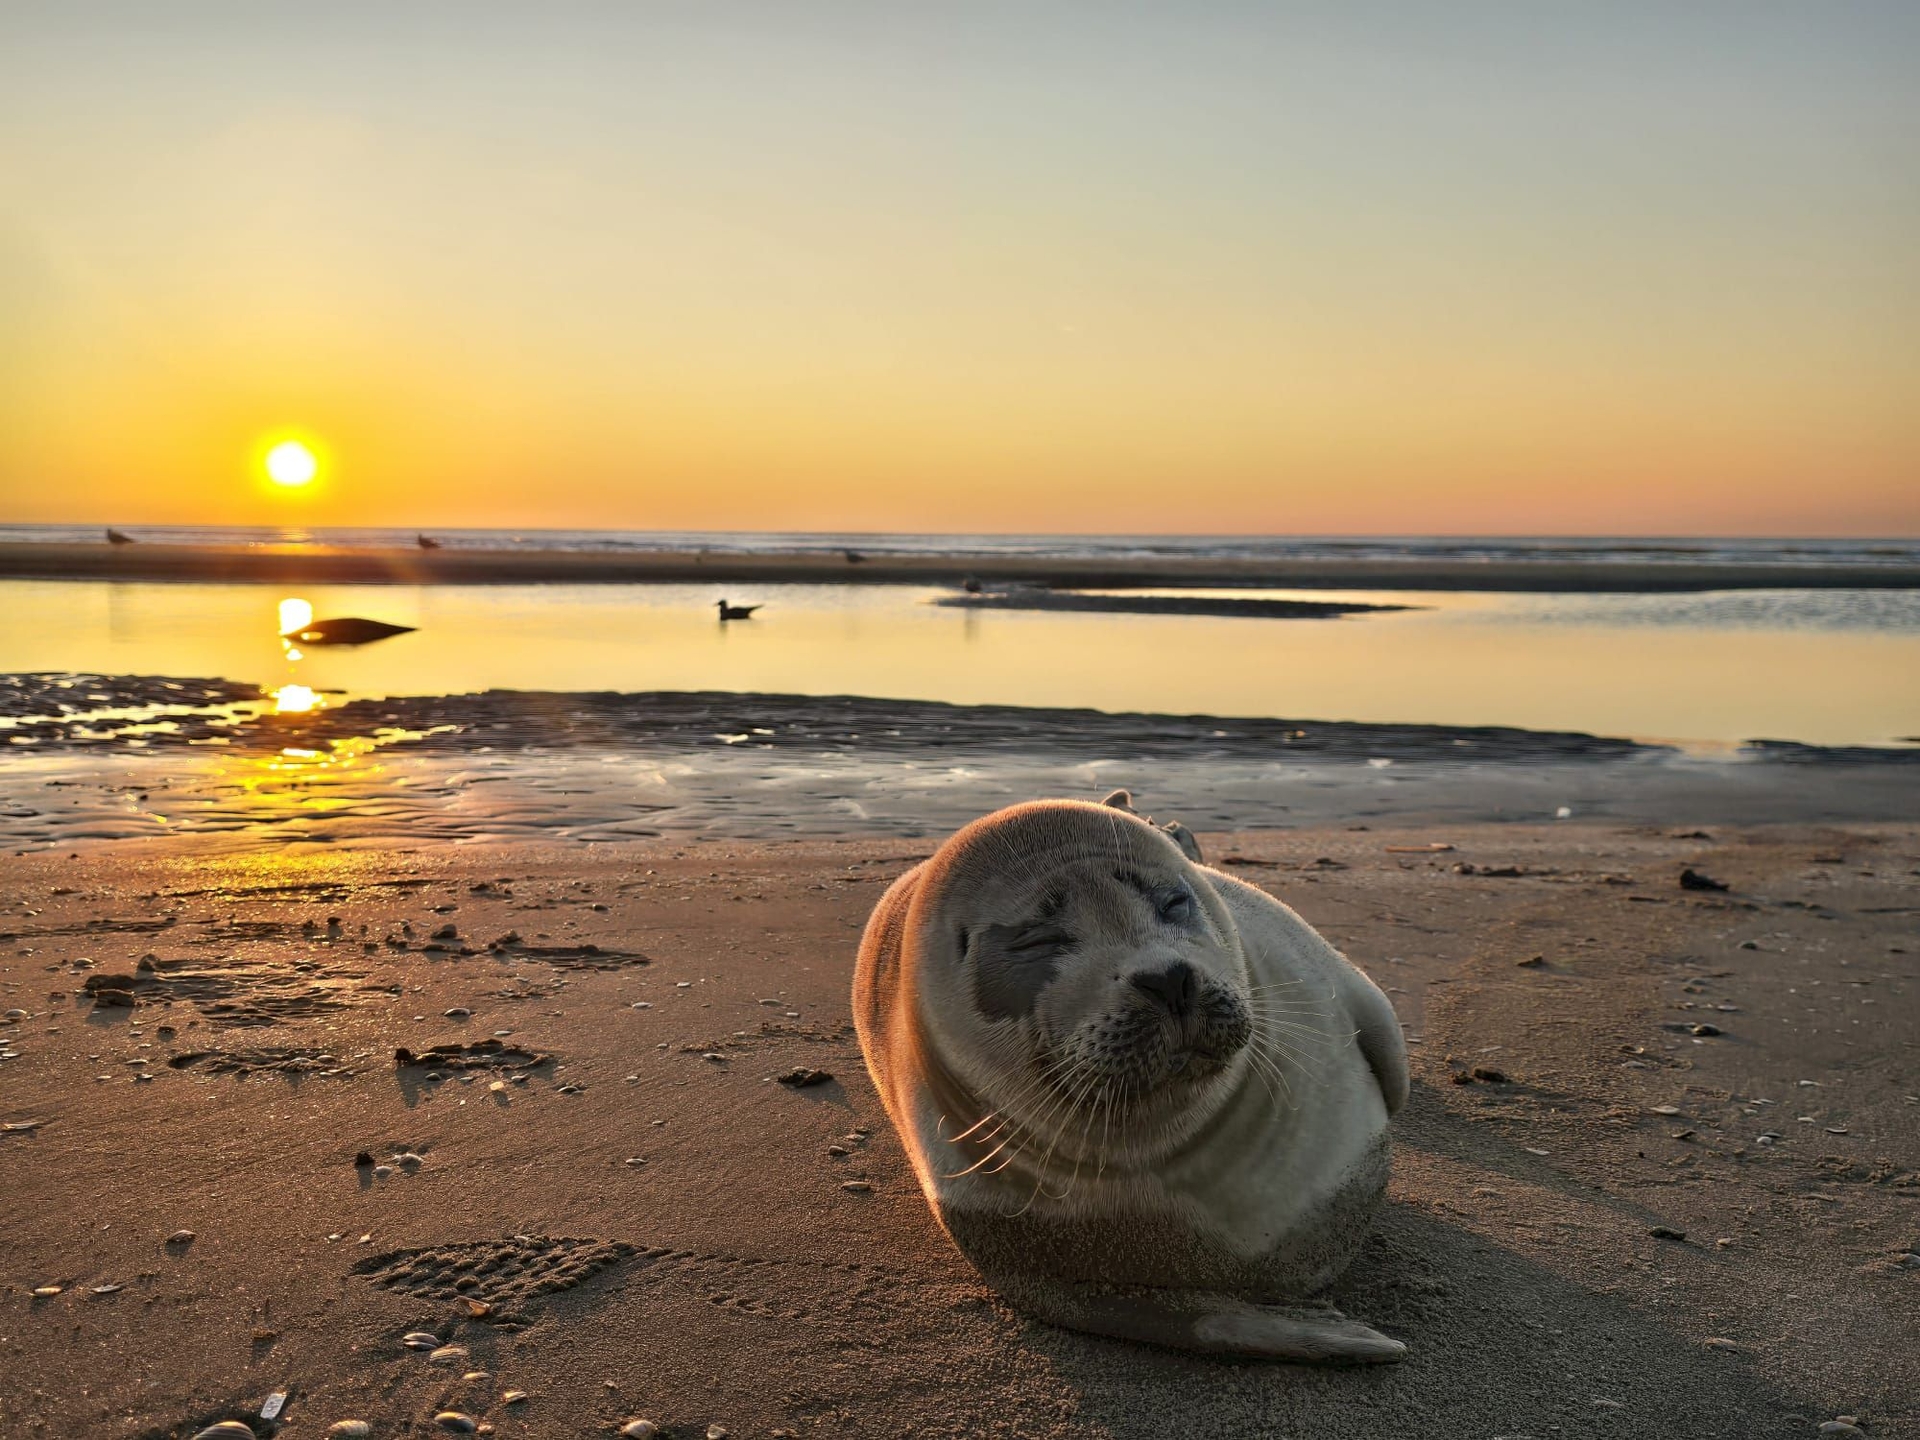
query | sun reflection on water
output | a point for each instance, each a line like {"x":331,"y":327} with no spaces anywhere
{"x":294,"y":700}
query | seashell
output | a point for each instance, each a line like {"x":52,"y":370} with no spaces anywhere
{"x":382,"y":1171}
{"x":180,"y":1237}
{"x":16,"y":1015}
{"x":409,"y":1159}
{"x":420,"y":1340}
{"x":227,"y":1430}
{"x":475,"y":1376}
{"x":348,"y":1430}
{"x":458,"y":1012}
{"x":512,"y":1397}
{"x":455,"y":1421}
{"x":447,"y":1354}
{"x":717,"y":1431}
{"x":45,"y":1292}
{"x":108,"y":1288}
{"x":639,"y":1430}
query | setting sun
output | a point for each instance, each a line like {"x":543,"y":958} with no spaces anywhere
{"x":292,"y":464}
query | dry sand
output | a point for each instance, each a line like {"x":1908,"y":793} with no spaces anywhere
{"x":316,"y":564}
{"x":655,"y":1227}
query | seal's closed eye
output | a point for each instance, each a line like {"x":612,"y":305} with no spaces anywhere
{"x":1012,"y":964}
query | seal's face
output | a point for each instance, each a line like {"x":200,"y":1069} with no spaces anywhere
{"x":1117,"y":973}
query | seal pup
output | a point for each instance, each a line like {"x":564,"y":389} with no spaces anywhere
{"x":1144,"y":1099}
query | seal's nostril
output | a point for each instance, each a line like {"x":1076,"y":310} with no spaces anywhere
{"x":1175,"y":987}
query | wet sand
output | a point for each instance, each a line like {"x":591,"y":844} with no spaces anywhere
{"x":640,"y":1221}
{"x":98,"y":759}
{"x":314,"y":564}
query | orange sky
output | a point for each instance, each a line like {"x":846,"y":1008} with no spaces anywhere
{"x":1642,"y":270}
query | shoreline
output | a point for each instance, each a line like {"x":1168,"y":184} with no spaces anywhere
{"x":519,"y":766}
{"x":245,"y":564}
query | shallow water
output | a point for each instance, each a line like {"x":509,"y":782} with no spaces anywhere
{"x":1822,"y":667}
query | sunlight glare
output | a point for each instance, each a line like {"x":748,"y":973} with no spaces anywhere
{"x":292,"y":464}
{"x":294,"y":700}
{"x":295,"y":614}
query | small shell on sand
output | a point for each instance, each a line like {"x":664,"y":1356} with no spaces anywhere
{"x":348,"y":1430}
{"x":420,"y":1340}
{"x":512,"y":1397}
{"x":448,"y":1355}
{"x":180,"y":1237}
{"x":455,"y":1421}
{"x":639,"y":1430}
{"x":717,"y":1431}
{"x":227,"y":1430}
{"x":46,"y":1292}
{"x":859,"y":1187}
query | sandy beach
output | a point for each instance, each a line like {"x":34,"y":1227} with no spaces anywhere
{"x":319,"y":564}
{"x":604,"y":1198}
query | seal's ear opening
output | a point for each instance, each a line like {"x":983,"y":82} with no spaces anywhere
{"x":1120,"y":800}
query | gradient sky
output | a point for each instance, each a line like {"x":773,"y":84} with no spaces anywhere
{"x":1622,"y":268}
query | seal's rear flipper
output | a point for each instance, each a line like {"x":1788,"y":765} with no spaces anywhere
{"x":1204,"y":1322}
{"x":1173,"y":829}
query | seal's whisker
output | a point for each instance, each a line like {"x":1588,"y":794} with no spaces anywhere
{"x":956,"y":1139}
{"x":1266,"y":1067}
{"x":957,"y":1174}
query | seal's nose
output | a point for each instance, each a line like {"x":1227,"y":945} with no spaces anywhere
{"x":1174,"y":987}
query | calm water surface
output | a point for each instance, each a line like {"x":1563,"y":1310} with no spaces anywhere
{"x":1826,"y":667}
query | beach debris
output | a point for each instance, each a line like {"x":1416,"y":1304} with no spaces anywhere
{"x":447,"y":1355}
{"x":420,"y":1340}
{"x":1565,"y":812}
{"x":1435,"y":848}
{"x":801,"y":1077}
{"x":426,"y":542}
{"x":227,"y":1430}
{"x":1666,"y":1232}
{"x":458,"y":1012}
{"x":858,"y":1187}
{"x":639,"y":1430}
{"x":717,"y":1431}
{"x":346,"y":630}
{"x":1704,"y":1029}
{"x":181,"y":1237}
{"x":476,"y":1310}
{"x":1531,"y":962}
{"x":512,"y":1397}
{"x":47,"y":1292}
{"x":20,"y":1127}
{"x":1719,"y":1342}
{"x":478,"y":1055}
{"x":1666,"y":1109}
{"x":1699,"y":880}
{"x":1840,"y":1427}
{"x":455,"y":1421}
{"x":15,"y":1016}
{"x":348,"y":1430}
{"x":107,"y":1289}
{"x":273,"y":1405}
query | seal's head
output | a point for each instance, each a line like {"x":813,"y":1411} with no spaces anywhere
{"x":1087,"y":964}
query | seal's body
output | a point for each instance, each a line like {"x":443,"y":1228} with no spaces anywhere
{"x":1144,"y":1098}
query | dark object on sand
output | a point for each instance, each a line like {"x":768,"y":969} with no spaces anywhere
{"x":1030,"y":598}
{"x":972,"y":585}
{"x":116,"y":537}
{"x":1666,"y":1232}
{"x":348,"y":630}
{"x":736,"y":612}
{"x":854,"y":557}
{"x":426,"y":542}
{"x":802,"y":1077}
{"x":1695,"y":880}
